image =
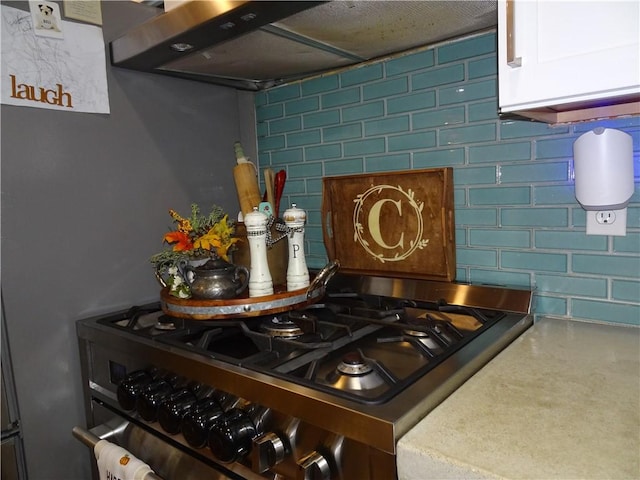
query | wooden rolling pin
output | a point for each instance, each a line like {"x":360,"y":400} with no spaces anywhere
{"x":245,"y":176}
{"x":269,"y":182}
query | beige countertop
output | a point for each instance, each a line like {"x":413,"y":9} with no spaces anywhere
{"x":561,"y":402}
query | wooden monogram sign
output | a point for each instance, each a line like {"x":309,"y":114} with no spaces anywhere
{"x":391,"y":224}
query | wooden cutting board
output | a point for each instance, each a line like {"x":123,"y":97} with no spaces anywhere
{"x":392,"y":223}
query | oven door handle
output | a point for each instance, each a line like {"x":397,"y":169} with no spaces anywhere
{"x":90,"y":440}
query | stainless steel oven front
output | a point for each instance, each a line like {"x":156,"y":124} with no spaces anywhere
{"x":320,"y":393}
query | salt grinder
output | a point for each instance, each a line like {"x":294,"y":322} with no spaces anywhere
{"x":297,"y":271}
{"x":260,"y":281}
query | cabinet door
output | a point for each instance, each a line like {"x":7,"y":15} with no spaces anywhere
{"x":567,"y":52}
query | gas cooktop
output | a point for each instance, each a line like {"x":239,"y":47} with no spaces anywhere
{"x":304,"y":393}
{"x":363,"y":348}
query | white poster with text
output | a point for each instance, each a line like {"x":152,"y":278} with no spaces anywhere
{"x":55,"y":73}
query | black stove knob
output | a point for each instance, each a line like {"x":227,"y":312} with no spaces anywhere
{"x":231,"y":436}
{"x":198,"y":420}
{"x":130,"y":388}
{"x":152,"y":395}
{"x":174,"y":408}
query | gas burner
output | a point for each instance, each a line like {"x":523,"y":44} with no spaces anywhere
{"x":424,"y":338}
{"x":165,"y":323}
{"x":281,"y":327}
{"x":354,"y":372}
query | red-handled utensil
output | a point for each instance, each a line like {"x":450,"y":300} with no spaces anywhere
{"x":281,"y":178}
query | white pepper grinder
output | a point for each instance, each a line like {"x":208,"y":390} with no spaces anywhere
{"x":297,"y":271}
{"x":260,"y":281}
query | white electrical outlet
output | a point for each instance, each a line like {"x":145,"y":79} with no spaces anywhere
{"x":606,"y":217}
{"x":607,"y":222}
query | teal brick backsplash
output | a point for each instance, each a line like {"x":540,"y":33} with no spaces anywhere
{"x":439,"y":117}
{"x":541,"y":172}
{"x":554,"y":195}
{"x":438,"y":158}
{"x":361,"y":75}
{"x":289,"y":124}
{"x":321,"y":119}
{"x":468,"y":92}
{"x":308,"y":104}
{"x":483,"y":67}
{"x":579,"y":217}
{"x":555,"y":148}
{"x":538,"y":217}
{"x":274,"y":142}
{"x":633,"y":213}
{"x":412,"y":141}
{"x":629,"y":244}
{"x":471,"y":134}
{"x":500,"y":196}
{"x":499,"y":277}
{"x":342,"y":132}
{"x":467,"y":48}
{"x":500,"y":238}
{"x":388,"y":162}
{"x":285,"y":93}
{"x":361,"y":112}
{"x":343,"y":167}
{"x":282,"y":157}
{"x":318,"y":85}
{"x":500,"y":152}
{"x":460,"y":198}
{"x":304,"y":170}
{"x":267,"y":112}
{"x":606,"y":311}
{"x":550,"y":305}
{"x":563,"y":284}
{"x":546,"y":262}
{"x":313,"y":186}
{"x":364,"y":147}
{"x":323,"y":152}
{"x":558,"y":240}
{"x":438,"y":76}
{"x":512,"y":129}
{"x":517,"y":220}
{"x":340,"y":98}
{"x":385,"y":88}
{"x":477,"y":216}
{"x":472,"y":176}
{"x":386,"y":125}
{"x":408,"y":103}
{"x":614,"y":265}
{"x":482,"y":110}
{"x":409,"y":63}
{"x":310,"y":137}
{"x":296,"y":186}
{"x":477,"y":257}
{"x":625,"y":290}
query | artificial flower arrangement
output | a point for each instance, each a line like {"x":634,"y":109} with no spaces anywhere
{"x":194,"y":238}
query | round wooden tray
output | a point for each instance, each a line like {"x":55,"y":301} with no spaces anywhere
{"x":244,"y":306}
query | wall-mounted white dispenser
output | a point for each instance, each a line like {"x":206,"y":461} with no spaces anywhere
{"x":603,"y":166}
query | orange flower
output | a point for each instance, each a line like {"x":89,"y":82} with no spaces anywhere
{"x":184,"y":224}
{"x":180,"y":240}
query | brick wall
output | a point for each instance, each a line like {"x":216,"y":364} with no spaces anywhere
{"x":517,"y":220}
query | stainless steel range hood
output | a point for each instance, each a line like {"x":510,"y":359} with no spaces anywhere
{"x":254,"y":45}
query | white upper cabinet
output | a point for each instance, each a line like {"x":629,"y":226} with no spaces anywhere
{"x":564,"y":60}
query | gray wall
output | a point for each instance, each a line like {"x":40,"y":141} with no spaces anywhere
{"x":85,"y":202}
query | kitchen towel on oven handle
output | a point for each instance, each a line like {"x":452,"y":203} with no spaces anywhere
{"x":115,"y":462}
{"x":108,"y":453}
